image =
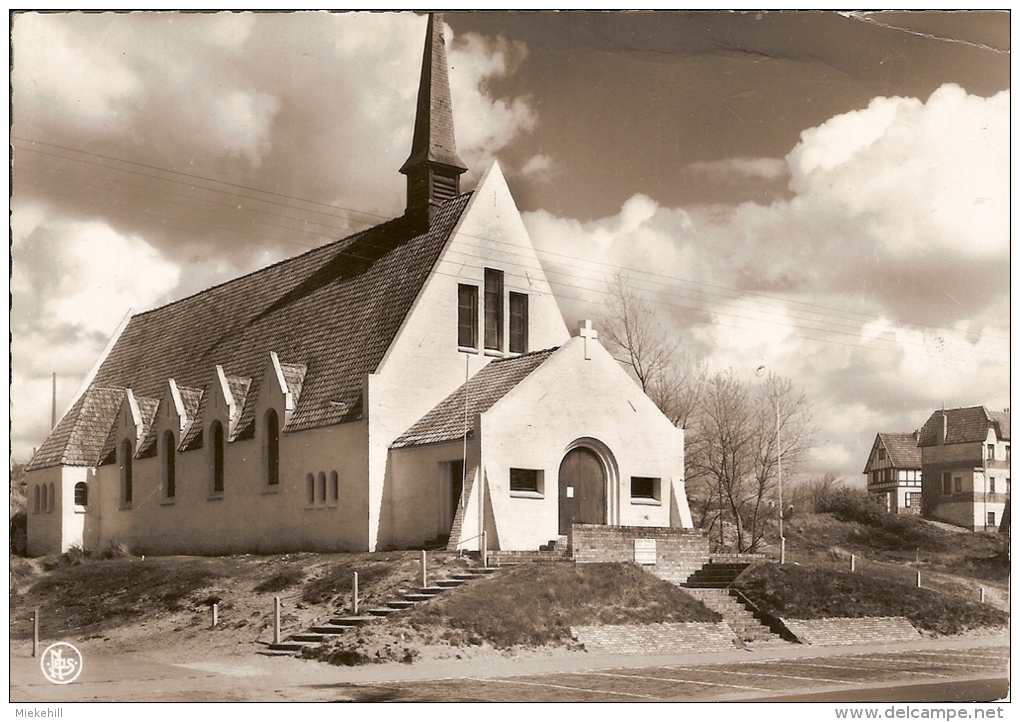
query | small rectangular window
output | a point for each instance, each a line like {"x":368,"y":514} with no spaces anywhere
{"x":958,"y":484}
{"x":644,"y":487}
{"x":881,"y":454}
{"x":493,"y":309}
{"x":467,"y":316}
{"x":526,"y":480}
{"x":1007,"y":453}
{"x":991,"y":484}
{"x":947,"y":484}
{"x":991,"y":452}
{"x":518,"y":323}
{"x":991,"y":518}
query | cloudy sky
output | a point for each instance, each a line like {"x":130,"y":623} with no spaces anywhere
{"x":823,"y":194}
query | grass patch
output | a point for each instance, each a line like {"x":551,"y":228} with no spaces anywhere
{"x":285,"y":579}
{"x":805,"y":593}
{"x":78,"y":594}
{"x":536,"y":604}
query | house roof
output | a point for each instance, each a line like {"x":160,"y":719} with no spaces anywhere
{"x":454,"y":416}
{"x":902,"y":450}
{"x":964,"y":426}
{"x":330,"y":315}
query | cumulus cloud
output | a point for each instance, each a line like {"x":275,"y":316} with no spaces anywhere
{"x":881,"y":282}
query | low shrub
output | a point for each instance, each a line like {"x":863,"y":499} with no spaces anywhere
{"x":883,"y":531}
{"x":290,"y":577}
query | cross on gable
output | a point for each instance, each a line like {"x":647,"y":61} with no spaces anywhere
{"x":587,"y":333}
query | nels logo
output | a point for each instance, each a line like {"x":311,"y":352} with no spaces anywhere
{"x":61,"y":663}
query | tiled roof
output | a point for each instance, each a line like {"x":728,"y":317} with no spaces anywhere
{"x":333,"y":310}
{"x":147,"y":446}
{"x":964,"y":426}
{"x":902,"y":449}
{"x":79,"y":437}
{"x":450,"y":419}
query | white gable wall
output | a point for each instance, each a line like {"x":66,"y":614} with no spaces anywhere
{"x":566,"y":399}
{"x":424,"y":365}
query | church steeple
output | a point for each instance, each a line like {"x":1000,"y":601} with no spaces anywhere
{"x":433,"y":169}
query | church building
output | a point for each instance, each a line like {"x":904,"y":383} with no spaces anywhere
{"x":413,"y":383}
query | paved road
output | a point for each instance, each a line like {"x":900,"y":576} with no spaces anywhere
{"x":940,"y":670}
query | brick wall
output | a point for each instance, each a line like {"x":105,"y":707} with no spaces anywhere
{"x":866,"y":630}
{"x":678,"y":552}
{"x":656,"y":638}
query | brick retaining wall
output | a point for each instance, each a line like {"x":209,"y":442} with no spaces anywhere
{"x":657,"y":638}
{"x":678,"y":552}
{"x":864,"y":630}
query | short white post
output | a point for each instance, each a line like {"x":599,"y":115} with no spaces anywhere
{"x":215,"y":614}
{"x":981,"y":594}
{"x":35,"y":632}
{"x":276,"y":620}
{"x":853,"y":562}
{"x":354,"y":596}
{"x":918,"y":578}
{"x":424,"y":572}
{"x":485,"y":546}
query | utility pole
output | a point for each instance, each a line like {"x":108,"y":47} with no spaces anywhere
{"x":53,"y":406}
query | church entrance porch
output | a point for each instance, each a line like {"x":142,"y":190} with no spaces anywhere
{"x":582,"y":489}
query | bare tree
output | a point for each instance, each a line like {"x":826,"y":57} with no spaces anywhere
{"x":733,"y":449}
{"x":672,"y":379}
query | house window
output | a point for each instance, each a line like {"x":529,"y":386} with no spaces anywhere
{"x":322,"y":487}
{"x":310,"y":487}
{"x":518,"y":323}
{"x":958,"y":484}
{"x":644,"y":487}
{"x":334,"y":487}
{"x":272,"y":448}
{"x":81,"y":494}
{"x":35,"y":505}
{"x":467,"y":316}
{"x":991,"y":484}
{"x":1007,"y":453}
{"x":881,"y":454}
{"x":947,"y":484}
{"x":493,"y":309}
{"x":170,"y":464}
{"x":991,"y":519}
{"x":126,"y":480}
{"x":525,"y":481}
{"x":217,"y":434}
{"x":991,"y":452}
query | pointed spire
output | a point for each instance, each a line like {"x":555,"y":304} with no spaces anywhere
{"x":433,"y":169}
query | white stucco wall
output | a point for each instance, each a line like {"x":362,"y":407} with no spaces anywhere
{"x":56,"y":527}
{"x":566,"y":399}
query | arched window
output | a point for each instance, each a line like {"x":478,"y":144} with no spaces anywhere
{"x":35,"y":506}
{"x":334,"y":486}
{"x":53,"y":498}
{"x":310,"y":484}
{"x":81,"y":494}
{"x":44,"y":506}
{"x":217,"y":439}
{"x":170,"y":464}
{"x":322,"y":487}
{"x":125,"y":472}
{"x":272,"y":448}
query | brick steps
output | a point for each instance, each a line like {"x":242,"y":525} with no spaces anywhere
{"x":742,"y":621}
{"x":716,"y":575}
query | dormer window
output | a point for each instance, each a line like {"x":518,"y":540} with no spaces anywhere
{"x":493,"y":309}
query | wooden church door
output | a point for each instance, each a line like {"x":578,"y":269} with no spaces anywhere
{"x":582,"y":482}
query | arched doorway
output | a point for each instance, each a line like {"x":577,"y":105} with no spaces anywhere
{"x":582,"y":489}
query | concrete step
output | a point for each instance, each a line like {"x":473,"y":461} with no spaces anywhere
{"x":287,"y":647}
{"x":329,"y":629}
{"x":400,"y":604}
{"x":449,"y":583}
{"x":418,"y":597}
{"x":381,"y":612}
{"x":350,"y":621}
{"x":432,"y":591}
{"x":306,"y":637}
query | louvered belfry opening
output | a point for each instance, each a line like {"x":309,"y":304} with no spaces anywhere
{"x":433,"y":168}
